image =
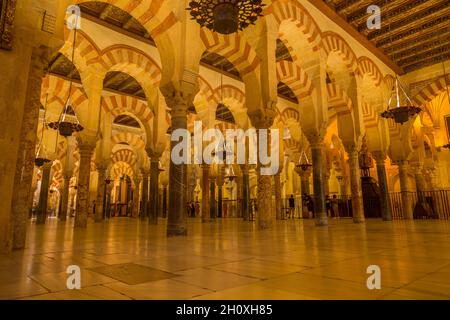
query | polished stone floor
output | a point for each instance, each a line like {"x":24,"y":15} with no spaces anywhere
{"x":128,"y":259}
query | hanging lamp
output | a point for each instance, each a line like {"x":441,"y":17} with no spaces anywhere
{"x":403,"y":110}
{"x":231,"y":175}
{"x":303,"y":161}
{"x":225,"y":16}
{"x":65,"y":125}
{"x":41,"y":154}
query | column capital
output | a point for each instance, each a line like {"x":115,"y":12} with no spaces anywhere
{"x":86,"y":142}
{"x":154,"y":155}
{"x":262,"y":118}
{"x":379,"y":156}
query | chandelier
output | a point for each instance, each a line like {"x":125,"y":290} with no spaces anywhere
{"x":226,"y":16}
{"x":41,"y":154}
{"x":303,"y":161}
{"x":404,"y":110}
{"x":230,"y":173}
{"x":65,"y":125}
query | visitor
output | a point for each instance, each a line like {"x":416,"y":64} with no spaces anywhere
{"x":335,"y":206}
{"x":328,"y":205}
{"x":291,"y":207}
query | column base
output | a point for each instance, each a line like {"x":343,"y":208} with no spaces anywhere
{"x":264,"y":225}
{"x":322,"y":222}
{"x":176,"y":232}
{"x":359,"y":220}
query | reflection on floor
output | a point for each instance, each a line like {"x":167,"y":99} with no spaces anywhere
{"x":128,"y":259}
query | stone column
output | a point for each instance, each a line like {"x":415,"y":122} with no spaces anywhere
{"x":28,"y":139}
{"x":144,"y":204}
{"x":108,"y":188}
{"x":304,"y":180}
{"x":220,"y":183}
{"x":386,"y":211}
{"x":212,"y":198}
{"x":245,"y":193}
{"x":265,"y":214}
{"x":154,"y":195}
{"x":404,"y":187}
{"x":177,"y":220}
{"x":206,"y":216}
{"x":65,"y":197}
{"x":86,"y":145}
{"x":164,"y":203}
{"x":277,"y":186}
{"x":136,"y":196}
{"x":41,"y":212}
{"x":101,"y":186}
{"x":355,"y":185}
{"x":320,"y":210}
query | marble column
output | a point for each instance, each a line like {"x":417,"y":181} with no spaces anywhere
{"x":86,"y":146}
{"x":101,"y":186}
{"x":206,"y":216}
{"x":154,"y":191}
{"x":265,"y":215}
{"x":65,"y":197}
{"x":245,"y":193}
{"x":177,"y":220}
{"x":277,"y":186}
{"x":41,"y":212}
{"x":355,"y":185}
{"x":220,"y":183}
{"x":320,"y":210}
{"x":28,"y":139}
{"x":304,"y":180}
{"x":136,"y":196}
{"x":212,"y":198}
{"x":405,"y":191}
{"x":385,"y":201}
{"x":164,"y":203}
{"x":144,"y":201}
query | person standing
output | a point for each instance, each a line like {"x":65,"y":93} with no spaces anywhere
{"x":291,"y":207}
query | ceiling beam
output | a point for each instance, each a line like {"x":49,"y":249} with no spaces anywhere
{"x":334,"y":16}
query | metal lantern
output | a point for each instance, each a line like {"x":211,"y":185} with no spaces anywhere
{"x":65,"y":125}
{"x":226,"y":16}
{"x":41,"y":154}
{"x":303,"y":162}
{"x":402,"y":112}
{"x":230,"y":174}
{"x":41,"y":157}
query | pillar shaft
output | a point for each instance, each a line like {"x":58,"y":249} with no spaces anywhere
{"x":154,"y":194}
{"x":355,"y":185}
{"x":99,"y":203}
{"x":136,"y":197}
{"x":177,"y":220}
{"x":65,"y":197}
{"x":206,"y":216}
{"x":86,"y":151}
{"x":220,"y":201}
{"x":386,"y":211}
{"x":277,"y":186}
{"x":212,"y":198}
{"x":164,"y":204}
{"x":28,"y":139}
{"x":144,"y":200}
{"x":245,"y":195}
{"x":41,"y":213}
{"x":404,"y":187}
{"x":320,"y":210}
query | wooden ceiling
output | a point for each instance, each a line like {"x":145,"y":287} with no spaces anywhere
{"x":125,"y":120}
{"x":414,"y":33}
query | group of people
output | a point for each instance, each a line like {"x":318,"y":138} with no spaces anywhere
{"x":193,"y":209}
{"x":332,"y":206}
